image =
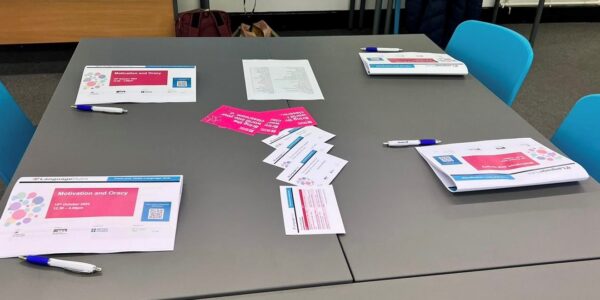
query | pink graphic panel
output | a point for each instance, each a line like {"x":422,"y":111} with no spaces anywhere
{"x":128,"y":77}
{"x":506,"y":161}
{"x":92,"y":202}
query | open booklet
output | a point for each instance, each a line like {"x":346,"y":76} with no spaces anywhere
{"x":497,"y":164}
{"x":412,"y":63}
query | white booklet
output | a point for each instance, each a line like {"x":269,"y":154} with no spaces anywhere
{"x":272,"y":79}
{"x":46,"y":215}
{"x":310,"y":210}
{"x":137,"y":84}
{"x":497,"y":164}
{"x":411,"y":63}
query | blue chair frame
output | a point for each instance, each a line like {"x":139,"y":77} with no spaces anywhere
{"x":579,"y":134}
{"x":15,"y":133}
{"x":497,"y":56}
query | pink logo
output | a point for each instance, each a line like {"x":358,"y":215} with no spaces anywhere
{"x":92,"y":202}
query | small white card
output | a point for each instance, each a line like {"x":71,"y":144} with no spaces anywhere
{"x":300,"y":147}
{"x":287,"y":136}
{"x":310,"y":210}
{"x":314,"y":169}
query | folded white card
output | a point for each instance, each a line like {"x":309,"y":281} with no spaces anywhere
{"x":300,"y":147}
{"x":314,"y":169}
{"x":287,"y":136}
{"x":310,"y":210}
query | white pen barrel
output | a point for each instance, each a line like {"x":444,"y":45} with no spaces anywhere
{"x":113,"y":110}
{"x":404,"y":143}
{"x":74,"y":266}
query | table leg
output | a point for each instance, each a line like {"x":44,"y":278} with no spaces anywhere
{"x":351,"y":14}
{"x":377,"y":16}
{"x":361,"y":15}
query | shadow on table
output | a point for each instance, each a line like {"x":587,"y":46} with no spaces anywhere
{"x":520,"y":193}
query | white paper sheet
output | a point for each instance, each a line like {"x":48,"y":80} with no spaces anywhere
{"x":314,"y":169}
{"x":498,"y":164}
{"x":300,"y":147}
{"x":270,"y":79}
{"x":137,"y":84}
{"x":46,"y":215}
{"x":310,"y":210}
{"x":287,"y":136}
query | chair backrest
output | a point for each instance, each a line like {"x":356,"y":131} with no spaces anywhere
{"x":497,"y":56}
{"x":579,"y":134}
{"x":15,"y":133}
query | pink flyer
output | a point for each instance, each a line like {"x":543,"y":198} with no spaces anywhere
{"x":240,"y":120}
{"x":289,"y":118}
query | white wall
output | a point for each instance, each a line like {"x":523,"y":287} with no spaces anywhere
{"x":284,"y":5}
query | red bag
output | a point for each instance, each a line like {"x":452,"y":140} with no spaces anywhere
{"x":201,"y":22}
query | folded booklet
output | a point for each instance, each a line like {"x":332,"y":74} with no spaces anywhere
{"x":412,"y":63}
{"x":498,"y":164}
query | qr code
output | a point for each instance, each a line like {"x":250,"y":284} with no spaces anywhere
{"x":447,"y":160}
{"x":156,"y":213}
{"x":182,"y":83}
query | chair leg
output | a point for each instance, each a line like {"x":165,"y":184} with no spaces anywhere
{"x":377,"y":16}
{"x":397,"y":16}
{"x":388,"y":16}
{"x":536,"y":22}
{"x":361,"y":15}
{"x":351,"y":14}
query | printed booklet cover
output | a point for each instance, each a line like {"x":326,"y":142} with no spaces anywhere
{"x":46,"y":215}
{"x":137,"y":84}
{"x":498,"y":164}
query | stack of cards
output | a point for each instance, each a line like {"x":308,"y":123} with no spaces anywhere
{"x":266,"y":122}
{"x":310,"y":207}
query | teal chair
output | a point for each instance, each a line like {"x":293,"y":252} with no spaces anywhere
{"x":497,"y":56}
{"x":579,"y":134}
{"x":15,"y":133}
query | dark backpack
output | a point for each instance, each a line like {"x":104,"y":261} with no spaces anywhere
{"x":201,"y":22}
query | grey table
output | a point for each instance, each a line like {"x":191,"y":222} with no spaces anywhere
{"x":230,"y":236}
{"x":576,"y":280}
{"x":400,"y":220}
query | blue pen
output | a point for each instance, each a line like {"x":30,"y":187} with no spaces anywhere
{"x":380,"y":49}
{"x":406,"y":143}
{"x":73,"y":266}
